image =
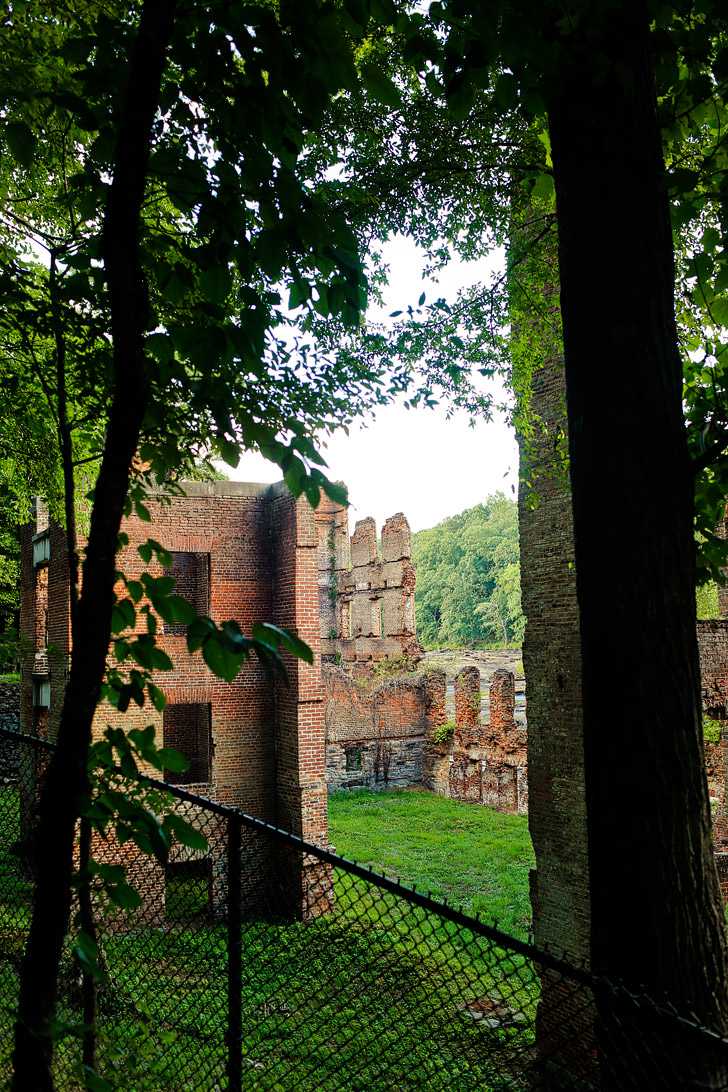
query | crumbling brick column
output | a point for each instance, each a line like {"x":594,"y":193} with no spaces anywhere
{"x":436,"y":758}
{"x":332,"y":530}
{"x":467,"y":704}
{"x":466,"y":781}
{"x":502,"y":700}
{"x":399,"y":578}
{"x":436,"y":698}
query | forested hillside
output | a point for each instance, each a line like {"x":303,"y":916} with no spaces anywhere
{"x":468,"y":589}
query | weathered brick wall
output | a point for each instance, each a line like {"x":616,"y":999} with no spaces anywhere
{"x":332,"y":530}
{"x":487,"y":761}
{"x":366,"y":605}
{"x":376,"y":730}
{"x":300,"y":731}
{"x":255,"y":549}
{"x":227,"y":526}
{"x":552,"y":663}
{"x":44,"y":624}
{"x":713,"y":649}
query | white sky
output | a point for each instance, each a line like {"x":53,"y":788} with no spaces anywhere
{"x":413,"y":461}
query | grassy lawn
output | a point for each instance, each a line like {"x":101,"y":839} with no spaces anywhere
{"x":470,"y":855}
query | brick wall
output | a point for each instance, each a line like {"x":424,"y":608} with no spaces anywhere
{"x":552,"y":663}
{"x":44,"y":623}
{"x":366,"y":610}
{"x":377,"y":729}
{"x":250,"y":551}
{"x":483,"y":763}
{"x":713,"y":649}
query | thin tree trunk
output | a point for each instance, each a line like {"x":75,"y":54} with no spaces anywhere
{"x":657,"y":917}
{"x":66,"y":779}
{"x":89,"y":985}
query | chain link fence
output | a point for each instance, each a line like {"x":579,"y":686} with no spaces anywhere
{"x":263,"y":963}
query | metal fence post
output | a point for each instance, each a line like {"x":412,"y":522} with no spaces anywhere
{"x":235,"y":961}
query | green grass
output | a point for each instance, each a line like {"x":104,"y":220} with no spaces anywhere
{"x":470,"y":855}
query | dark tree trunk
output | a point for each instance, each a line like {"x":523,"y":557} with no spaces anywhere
{"x":66,"y":778}
{"x":657,"y":916}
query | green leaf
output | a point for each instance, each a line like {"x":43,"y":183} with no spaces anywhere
{"x":274,"y":637}
{"x":161,"y":347}
{"x":220,"y":660}
{"x":682,"y":180}
{"x":506,"y":91}
{"x":124,"y":896}
{"x":198,"y":632}
{"x":123,"y":616}
{"x":182,"y":610}
{"x":184,"y":833}
{"x":161,"y":661}
{"x":336,"y":491}
{"x":21,"y":141}
{"x":216,"y":284}
{"x":543,"y":187}
{"x":380,"y":86}
{"x":135,"y":589}
{"x":164,"y":557}
{"x":384,"y":12}
{"x":460,"y":96}
{"x":229,"y":451}
{"x":172,"y":759}
{"x":358,"y":12}
{"x":719,"y":311}
{"x":159,"y":699}
{"x":299,"y":294}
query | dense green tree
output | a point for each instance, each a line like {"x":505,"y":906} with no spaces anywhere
{"x":468,"y":577}
{"x":153,"y":215}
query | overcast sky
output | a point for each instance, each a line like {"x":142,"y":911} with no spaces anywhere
{"x":413,"y":461}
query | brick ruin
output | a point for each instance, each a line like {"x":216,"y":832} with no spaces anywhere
{"x":361,"y":716}
{"x":713,"y":649}
{"x":483,"y":763}
{"x":242,"y":551}
{"x":366,"y":603}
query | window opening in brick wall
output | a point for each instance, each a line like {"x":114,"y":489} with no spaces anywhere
{"x":41,"y":548}
{"x":192,"y":575}
{"x":187,"y":727}
{"x":376,"y":617}
{"x":353,"y":755}
{"x":41,"y":607}
{"x":346,"y":625}
{"x":41,"y":705}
